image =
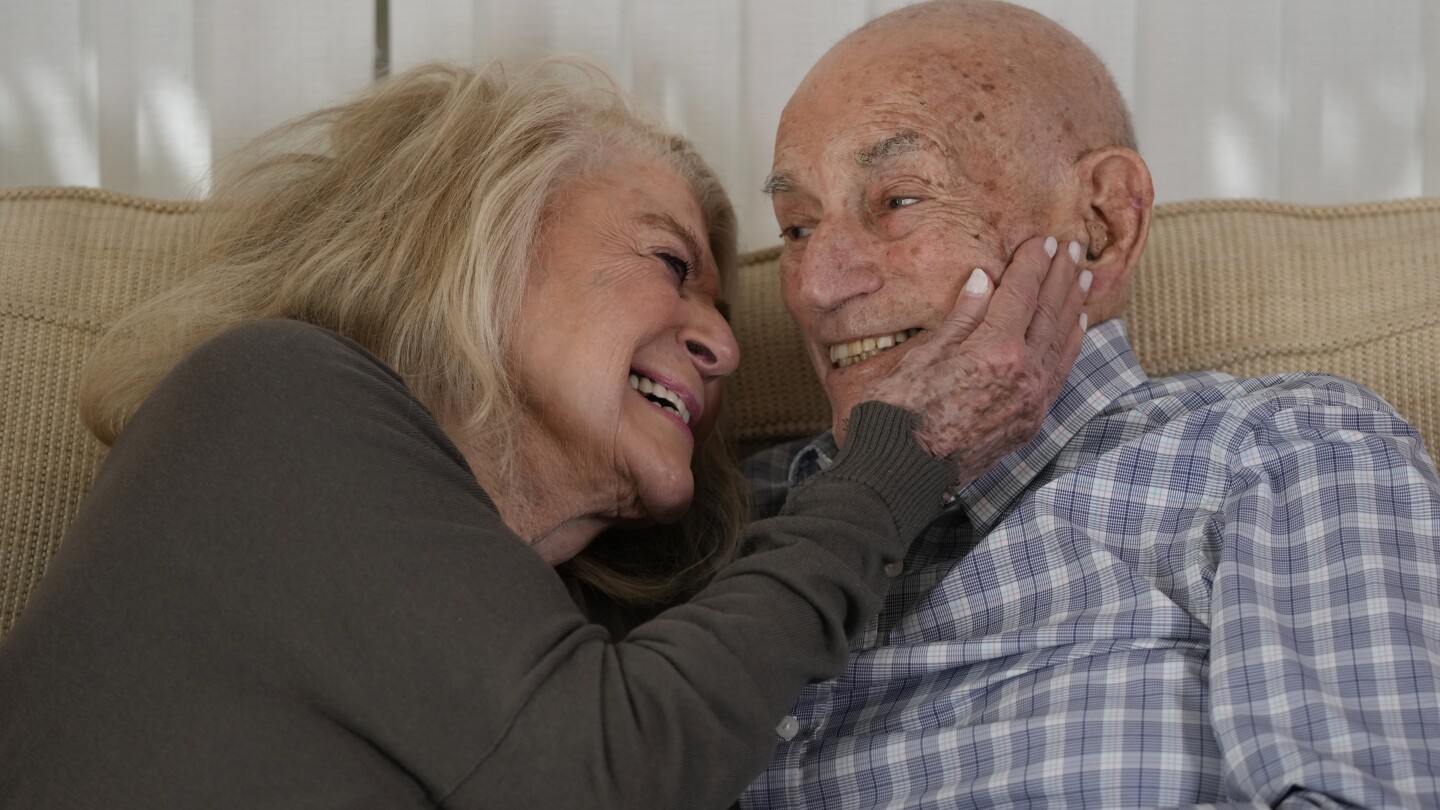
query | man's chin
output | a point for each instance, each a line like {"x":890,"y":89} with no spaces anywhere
{"x":840,"y":420}
{"x":845,"y":392}
{"x":849,"y":386}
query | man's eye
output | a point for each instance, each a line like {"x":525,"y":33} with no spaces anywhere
{"x":679,"y":266}
{"x":901,"y":202}
{"x":795,"y":233}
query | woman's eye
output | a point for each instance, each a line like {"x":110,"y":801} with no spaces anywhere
{"x":795,"y":232}
{"x":901,"y":202}
{"x":679,"y":266}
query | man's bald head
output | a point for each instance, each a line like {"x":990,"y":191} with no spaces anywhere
{"x":1000,"y":67}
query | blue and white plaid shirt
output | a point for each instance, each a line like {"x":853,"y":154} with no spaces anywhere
{"x":1192,"y":590}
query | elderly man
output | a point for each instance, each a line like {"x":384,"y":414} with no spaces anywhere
{"x":1191,"y":590}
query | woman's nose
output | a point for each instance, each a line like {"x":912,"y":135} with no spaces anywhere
{"x":710,"y":342}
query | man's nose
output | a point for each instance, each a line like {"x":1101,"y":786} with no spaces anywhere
{"x":710,"y":342}
{"x":841,"y":261}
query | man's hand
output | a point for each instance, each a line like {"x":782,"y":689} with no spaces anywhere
{"x":983,"y":384}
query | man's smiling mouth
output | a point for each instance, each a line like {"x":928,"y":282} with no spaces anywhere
{"x":660,"y":395}
{"x":848,"y":354}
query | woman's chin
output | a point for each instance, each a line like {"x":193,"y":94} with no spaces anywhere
{"x":668,"y":503}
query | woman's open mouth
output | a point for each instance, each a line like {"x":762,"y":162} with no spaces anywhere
{"x":848,"y":354}
{"x":661,"y":396}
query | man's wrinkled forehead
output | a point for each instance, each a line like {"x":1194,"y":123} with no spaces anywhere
{"x":885,"y":151}
{"x":862,"y":105}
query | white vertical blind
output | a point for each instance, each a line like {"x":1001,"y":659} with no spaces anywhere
{"x":1236,"y":76}
{"x":1356,"y":119}
{"x":443,"y":30}
{"x":1430,"y":127}
{"x":141,"y":95}
{"x":49,"y":130}
{"x":271,"y":60}
{"x":153,"y":124}
{"x":1302,"y":100}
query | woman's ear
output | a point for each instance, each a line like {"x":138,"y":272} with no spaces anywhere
{"x":1116,"y":195}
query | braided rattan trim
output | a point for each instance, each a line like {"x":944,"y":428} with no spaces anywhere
{"x":1231,"y":357}
{"x":760,"y":256}
{"x":1174,"y":209}
{"x":100,"y":195}
{"x":53,"y":316}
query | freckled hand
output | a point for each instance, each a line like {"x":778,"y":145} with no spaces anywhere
{"x":983,"y":385}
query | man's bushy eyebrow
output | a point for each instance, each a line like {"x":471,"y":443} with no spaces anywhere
{"x":777,"y":182}
{"x":896,"y":145}
{"x":901,"y":143}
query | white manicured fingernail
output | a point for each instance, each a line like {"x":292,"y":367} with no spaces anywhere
{"x":1084,"y":322}
{"x":1085,"y":278}
{"x":978,"y":283}
{"x":1075,"y":252}
{"x":1051,"y":246}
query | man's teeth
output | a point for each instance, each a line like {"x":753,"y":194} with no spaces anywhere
{"x":660,"y":395}
{"x":845,"y":354}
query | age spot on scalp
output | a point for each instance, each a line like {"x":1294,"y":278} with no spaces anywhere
{"x":988,"y":87}
{"x":979,"y":116}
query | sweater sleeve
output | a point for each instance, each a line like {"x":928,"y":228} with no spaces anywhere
{"x":682,"y":712}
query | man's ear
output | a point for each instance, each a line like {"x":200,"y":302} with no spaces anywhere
{"x":1116,"y":196}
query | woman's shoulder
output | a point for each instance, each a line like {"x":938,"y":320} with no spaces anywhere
{"x":283,"y":393}
{"x":279,"y":344}
{"x":287,"y":375}
{"x":288,"y":363}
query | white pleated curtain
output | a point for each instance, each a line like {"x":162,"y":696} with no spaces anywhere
{"x":1301,"y":100}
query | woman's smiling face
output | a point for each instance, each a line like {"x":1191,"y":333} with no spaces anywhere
{"x":620,"y":346}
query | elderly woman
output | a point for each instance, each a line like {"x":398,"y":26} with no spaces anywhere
{"x":475,"y":324}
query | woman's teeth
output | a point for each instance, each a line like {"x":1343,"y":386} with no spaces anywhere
{"x":660,"y":395}
{"x":846,"y":354}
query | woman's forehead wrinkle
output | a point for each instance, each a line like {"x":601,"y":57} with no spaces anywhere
{"x":665,"y":221}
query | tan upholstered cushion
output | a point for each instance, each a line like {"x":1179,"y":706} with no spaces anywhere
{"x":70,"y":260}
{"x":1243,"y":286}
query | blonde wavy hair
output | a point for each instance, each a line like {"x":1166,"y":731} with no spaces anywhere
{"x":406,"y":220}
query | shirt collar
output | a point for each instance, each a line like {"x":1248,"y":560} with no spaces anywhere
{"x":1105,"y":370}
{"x":814,"y":457}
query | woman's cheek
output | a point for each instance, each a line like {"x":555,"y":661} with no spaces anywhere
{"x":714,"y":403}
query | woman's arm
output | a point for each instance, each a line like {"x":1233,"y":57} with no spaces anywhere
{"x":681,"y":712}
